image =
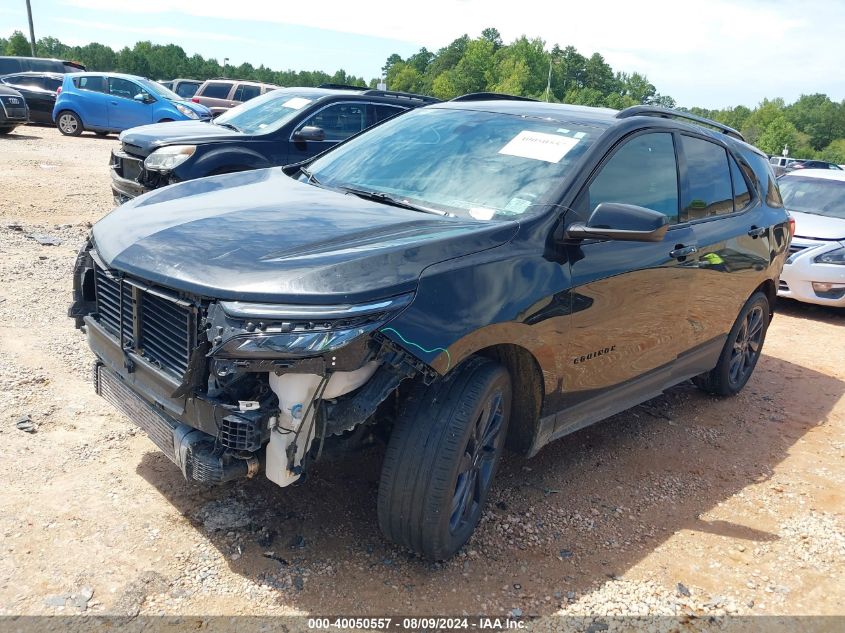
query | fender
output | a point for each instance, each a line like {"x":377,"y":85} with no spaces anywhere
{"x":226,"y":158}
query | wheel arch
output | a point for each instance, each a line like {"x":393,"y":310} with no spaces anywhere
{"x":528,"y":393}
{"x":769,"y":288}
{"x":72,"y":111}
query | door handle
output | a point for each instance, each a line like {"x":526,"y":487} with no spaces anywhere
{"x":682,"y":251}
{"x":114,"y":102}
{"x":757,"y":231}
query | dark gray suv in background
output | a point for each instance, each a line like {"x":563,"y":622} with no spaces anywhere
{"x":469,"y":275}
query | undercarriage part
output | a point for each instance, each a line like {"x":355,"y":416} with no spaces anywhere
{"x":196,"y":453}
{"x":294,"y":430}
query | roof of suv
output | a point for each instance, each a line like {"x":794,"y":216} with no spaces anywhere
{"x":38,"y":73}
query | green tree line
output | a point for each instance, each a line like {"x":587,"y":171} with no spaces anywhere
{"x":166,"y":62}
{"x":811,"y":127}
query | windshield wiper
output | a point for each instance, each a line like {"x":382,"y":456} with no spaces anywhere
{"x":378,"y":196}
{"x":311,"y":177}
{"x":230,"y":126}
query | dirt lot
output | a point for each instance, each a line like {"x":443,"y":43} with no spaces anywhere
{"x":684,"y":504}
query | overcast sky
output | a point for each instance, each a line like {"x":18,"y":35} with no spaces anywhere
{"x":711,"y":54}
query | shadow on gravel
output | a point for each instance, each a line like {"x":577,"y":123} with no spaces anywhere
{"x":586,"y":509}
{"x":17,"y":136}
{"x":798,"y":310}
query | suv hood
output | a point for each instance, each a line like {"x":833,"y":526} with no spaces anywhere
{"x":263,"y":236}
{"x":818,"y":227}
{"x":145,"y":139}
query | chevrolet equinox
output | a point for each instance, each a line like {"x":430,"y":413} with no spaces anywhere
{"x":475,"y":274}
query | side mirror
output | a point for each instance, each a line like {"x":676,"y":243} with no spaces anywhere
{"x":309,"y":133}
{"x":143,"y":97}
{"x":624,"y":222}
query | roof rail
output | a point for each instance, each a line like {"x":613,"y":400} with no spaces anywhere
{"x":332,"y":86}
{"x":491,"y":96}
{"x":401,"y":95}
{"x":666,"y":113}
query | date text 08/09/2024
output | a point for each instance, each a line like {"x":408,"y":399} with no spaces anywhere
{"x":416,"y":623}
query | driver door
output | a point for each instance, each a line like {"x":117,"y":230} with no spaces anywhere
{"x":637,"y":292}
{"x":124,"y":111}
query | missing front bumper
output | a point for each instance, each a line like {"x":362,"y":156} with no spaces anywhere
{"x":195,"y":453}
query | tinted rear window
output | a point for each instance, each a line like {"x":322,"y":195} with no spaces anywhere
{"x":9,"y":65}
{"x":217,"y":90}
{"x":709,"y":180}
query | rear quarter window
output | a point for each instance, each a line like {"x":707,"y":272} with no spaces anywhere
{"x":217,"y":90}
{"x":765,"y":178}
{"x":9,"y":65}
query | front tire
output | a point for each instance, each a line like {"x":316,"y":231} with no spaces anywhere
{"x":69,"y":124}
{"x":442,"y":457}
{"x":741,"y":351}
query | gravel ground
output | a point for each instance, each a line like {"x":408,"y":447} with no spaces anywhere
{"x":684,"y":505}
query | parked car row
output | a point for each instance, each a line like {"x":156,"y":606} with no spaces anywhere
{"x":129,"y":100}
{"x":286,"y":125}
{"x":461,"y":276}
{"x":783,"y":164}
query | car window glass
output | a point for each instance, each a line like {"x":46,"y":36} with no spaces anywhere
{"x":340,"y":121}
{"x":123,"y":88}
{"x":385,"y":111}
{"x":9,"y":65}
{"x":43,"y":65}
{"x":481,"y":165}
{"x":819,"y":196}
{"x":764,"y":174}
{"x":95,"y":83}
{"x":217,"y":90}
{"x":246,"y":92}
{"x":52,"y":84}
{"x":186,"y":89}
{"x":709,"y":190}
{"x":642,"y":172}
{"x":742,"y":196}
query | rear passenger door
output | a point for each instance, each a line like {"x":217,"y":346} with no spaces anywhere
{"x":630,"y":325}
{"x":727,"y":218}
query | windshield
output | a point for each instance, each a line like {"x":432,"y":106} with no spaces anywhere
{"x":813,"y":195}
{"x":157,"y":89}
{"x":478,"y":164}
{"x":268,"y":112}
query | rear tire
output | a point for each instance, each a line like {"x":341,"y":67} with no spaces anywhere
{"x":741,"y":351}
{"x":69,"y":124}
{"x":442,"y":457}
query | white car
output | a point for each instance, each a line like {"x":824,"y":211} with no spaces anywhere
{"x":815,"y":270}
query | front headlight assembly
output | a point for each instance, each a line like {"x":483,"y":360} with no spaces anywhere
{"x":186,"y":111}
{"x":168,"y":158}
{"x":836,"y":256}
{"x":268,"y":331}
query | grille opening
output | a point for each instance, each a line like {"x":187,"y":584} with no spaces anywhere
{"x":166,"y":329}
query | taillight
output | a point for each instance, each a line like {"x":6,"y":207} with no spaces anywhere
{"x":58,"y":91}
{"x":791,"y":227}
{"x":195,"y":99}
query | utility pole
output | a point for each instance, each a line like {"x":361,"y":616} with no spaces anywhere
{"x":31,"y":28}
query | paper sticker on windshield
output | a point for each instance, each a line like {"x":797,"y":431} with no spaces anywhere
{"x":296,"y":103}
{"x":517,"y":205}
{"x":539,"y":146}
{"x":482,"y":213}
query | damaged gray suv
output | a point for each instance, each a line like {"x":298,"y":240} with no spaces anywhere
{"x":476,"y":274}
